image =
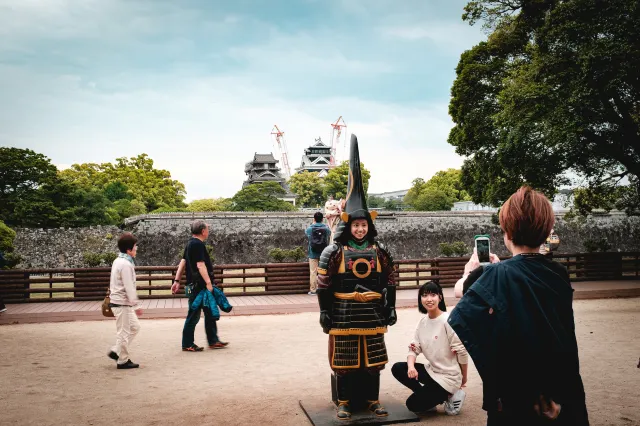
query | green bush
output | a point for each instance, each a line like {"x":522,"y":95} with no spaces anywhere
{"x":446,"y":249}
{"x":92,"y":259}
{"x":11,"y":260}
{"x":7,"y":235}
{"x":593,"y":245}
{"x":209,"y":248}
{"x":459,"y":248}
{"x":277,"y":254}
{"x":603,"y":245}
{"x":297,"y":254}
{"x":109,"y":236}
{"x":109,"y":257}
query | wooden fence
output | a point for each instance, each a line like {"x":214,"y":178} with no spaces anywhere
{"x":47,"y":285}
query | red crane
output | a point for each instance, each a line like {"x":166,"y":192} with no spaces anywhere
{"x":282,"y":148}
{"x":336,"y":132}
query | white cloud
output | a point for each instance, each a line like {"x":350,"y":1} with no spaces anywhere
{"x":448,"y":36}
{"x":204,"y":131}
{"x":198,"y":122}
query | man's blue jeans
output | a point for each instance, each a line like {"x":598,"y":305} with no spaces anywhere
{"x":210,"y":326}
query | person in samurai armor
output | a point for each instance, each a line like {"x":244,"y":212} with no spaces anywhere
{"x":357,"y":297}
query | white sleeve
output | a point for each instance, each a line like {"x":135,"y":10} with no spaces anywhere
{"x":416,"y":342}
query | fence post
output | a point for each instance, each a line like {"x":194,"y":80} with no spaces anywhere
{"x":27,"y":285}
{"x":435,"y":274}
{"x":51,"y":285}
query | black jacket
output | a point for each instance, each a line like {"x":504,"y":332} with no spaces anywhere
{"x":516,"y":322}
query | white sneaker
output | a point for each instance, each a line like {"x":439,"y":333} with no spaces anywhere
{"x":454,"y":404}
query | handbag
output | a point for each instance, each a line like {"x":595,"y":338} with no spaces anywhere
{"x":106,"y":309}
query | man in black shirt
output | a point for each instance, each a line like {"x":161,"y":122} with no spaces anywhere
{"x":199,"y":269}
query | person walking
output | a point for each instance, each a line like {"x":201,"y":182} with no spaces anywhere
{"x":125,"y":304}
{"x":197,"y":263}
{"x":318,"y":234}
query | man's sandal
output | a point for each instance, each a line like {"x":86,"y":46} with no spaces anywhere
{"x":193,"y":348}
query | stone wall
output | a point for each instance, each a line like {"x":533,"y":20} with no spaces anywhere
{"x":247,"y":237}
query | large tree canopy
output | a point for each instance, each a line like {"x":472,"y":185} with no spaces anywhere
{"x":23,"y":173}
{"x":438,"y":193}
{"x":263,"y":196}
{"x":308,"y":187}
{"x":210,"y":205}
{"x":130,"y":178}
{"x":335,"y":183}
{"x":551,"y":98}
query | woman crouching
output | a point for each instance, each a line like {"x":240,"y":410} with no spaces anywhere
{"x":441,"y":380}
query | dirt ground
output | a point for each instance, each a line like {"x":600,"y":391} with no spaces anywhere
{"x":59,"y":374}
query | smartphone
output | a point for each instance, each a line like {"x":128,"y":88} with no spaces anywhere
{"x":483,"y":248}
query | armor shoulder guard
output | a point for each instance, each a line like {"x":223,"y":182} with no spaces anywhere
{"x":383,"y":248}
{"x":328,"y":253}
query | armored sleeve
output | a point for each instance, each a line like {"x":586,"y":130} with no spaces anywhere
{"x":388,"y":267}
{"x":328,"y":265}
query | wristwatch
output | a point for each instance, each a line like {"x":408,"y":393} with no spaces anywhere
{"x":176,"y":281}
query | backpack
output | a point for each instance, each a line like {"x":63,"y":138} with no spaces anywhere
{"x":318,"y":239}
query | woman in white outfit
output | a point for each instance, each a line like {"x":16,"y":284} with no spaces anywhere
{"x":124,"y":300}
{"x":440,"y":380}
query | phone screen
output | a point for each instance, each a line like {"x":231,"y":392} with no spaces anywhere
{"x":483,"y":250}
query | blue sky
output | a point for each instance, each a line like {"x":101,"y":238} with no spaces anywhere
{"x":198,"y":85}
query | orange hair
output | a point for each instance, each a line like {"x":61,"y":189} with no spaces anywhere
{"x":527,"y":217}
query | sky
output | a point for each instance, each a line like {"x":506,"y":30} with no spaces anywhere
{"x":198,"y":85}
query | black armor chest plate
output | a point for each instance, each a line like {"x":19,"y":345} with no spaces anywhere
{"x":359,"y":270}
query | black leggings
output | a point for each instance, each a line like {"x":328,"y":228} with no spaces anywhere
{"x":426,"y":392}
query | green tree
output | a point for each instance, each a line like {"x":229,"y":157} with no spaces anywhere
{"x":375,"y":202}
{"x":210,"y":205}
{"x":117,"y":191}
{"x":65,"y":204}
{"x":262,"y":196}
{"x":22,"y":173}
{"x":308,"y":187}
{"x":128,"y":208}
{"x":552,"y":94}
{"x":438,"y":193}
{"x":7,"y":236}
{"x":392,"y":204}
{"x":335,"y":183}
{"x":153,"y":187}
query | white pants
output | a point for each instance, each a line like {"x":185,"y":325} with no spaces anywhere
{"x":313,"y":274}
{"x":127,"y":326}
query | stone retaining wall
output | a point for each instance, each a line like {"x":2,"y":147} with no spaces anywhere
{"x":247,"y":237}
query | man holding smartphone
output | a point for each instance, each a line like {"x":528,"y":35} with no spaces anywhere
{"x":473,"y":270}
{"x":199,"y":269}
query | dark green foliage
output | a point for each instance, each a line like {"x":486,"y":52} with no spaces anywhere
{"x":552,"y":94}
{"x":92,"y":259}
{"x":262,"y":196}
{"x":277,"y":254}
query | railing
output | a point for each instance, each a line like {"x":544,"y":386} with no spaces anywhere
{"x":154,"y":282}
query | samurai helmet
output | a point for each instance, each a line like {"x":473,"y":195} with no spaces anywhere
{"x":356,"y":202}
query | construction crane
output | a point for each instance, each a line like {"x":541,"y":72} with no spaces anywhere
{"x":282,"y":150}
{"x":336,"y":132}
